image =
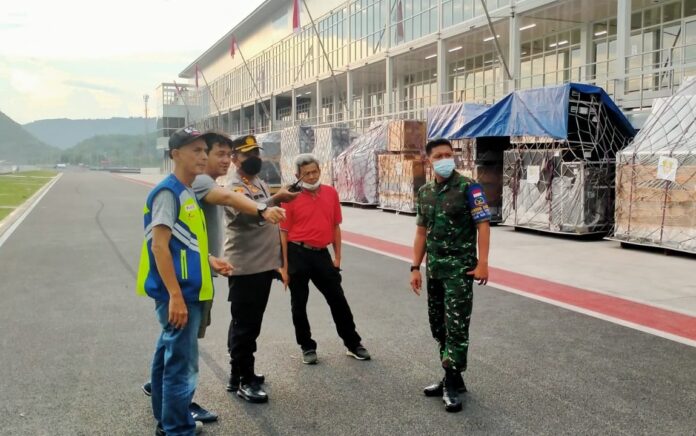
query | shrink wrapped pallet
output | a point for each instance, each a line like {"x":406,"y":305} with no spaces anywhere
{"x":330,"y":142}
{"x":656,"y":177}
{"x":294,"y":141}
{"x":270,"y":171}
{"x":355,"y":170}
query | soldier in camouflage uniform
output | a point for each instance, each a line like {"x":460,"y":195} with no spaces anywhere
{"x":452,"y":216}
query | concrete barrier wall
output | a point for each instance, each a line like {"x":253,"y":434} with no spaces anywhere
{"x":151,"y":171}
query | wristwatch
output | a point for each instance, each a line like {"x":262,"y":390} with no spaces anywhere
{"x":261,"y":208}
{"x":415,"y":268}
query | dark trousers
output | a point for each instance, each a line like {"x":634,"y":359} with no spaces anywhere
{"x":248,"y":298}
{"x":305,"y":265}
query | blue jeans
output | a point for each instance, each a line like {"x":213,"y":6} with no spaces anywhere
{"x":175,"y":370}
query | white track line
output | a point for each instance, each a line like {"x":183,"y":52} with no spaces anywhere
{"x":5,"y":236}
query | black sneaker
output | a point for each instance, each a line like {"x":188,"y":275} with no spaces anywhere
{"x":252,"y":392}
{"x":147,"y":389}
{"x":359,"y":353}
{"x":200,"y":414}
{"x":233,"y":383}
{"x":309,"y":357}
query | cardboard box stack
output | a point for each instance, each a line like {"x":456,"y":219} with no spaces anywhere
{"x":402,"y":170}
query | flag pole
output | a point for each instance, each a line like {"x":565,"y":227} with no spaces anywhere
{"x":326,"y":56}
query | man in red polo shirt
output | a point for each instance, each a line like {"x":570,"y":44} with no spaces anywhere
{"x":312,"y":223}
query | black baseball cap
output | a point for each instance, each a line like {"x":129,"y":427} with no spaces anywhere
{"x":183,"y":137}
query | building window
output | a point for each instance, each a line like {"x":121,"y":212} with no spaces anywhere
{"x":552,"y":60}
{"x":457,"y":11}
{"x":412,"y":19}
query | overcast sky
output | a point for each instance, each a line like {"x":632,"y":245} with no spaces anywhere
{"x":93,"y":59}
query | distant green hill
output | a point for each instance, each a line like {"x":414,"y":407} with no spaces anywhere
{"x":19,"y":146}
{"x":115,"y":150}
{"x":65,"y":133}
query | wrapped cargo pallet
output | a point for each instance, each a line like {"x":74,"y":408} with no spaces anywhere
{"x":270,"y":171}
{"x":406,"y":136}
{"x":554,"y":151}
{"x":551,"y":193}
{"x":400,"y":177}
{"x":355,"y":169}
{"x":294,"y":141}
{"x":330,"y":142}
{"x":656,"y":177}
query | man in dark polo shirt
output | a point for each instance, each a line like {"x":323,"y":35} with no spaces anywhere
{"x":253,"y":244}
{"x":312,"y":223}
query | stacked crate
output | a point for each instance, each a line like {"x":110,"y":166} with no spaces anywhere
{"x":294,"y":141}
{"x":330,"y":142}
{"x":402,"y":170}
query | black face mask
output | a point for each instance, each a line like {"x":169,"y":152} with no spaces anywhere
{"x":252,"y":165}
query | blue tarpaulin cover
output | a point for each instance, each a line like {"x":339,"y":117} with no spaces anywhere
{"x":444,"y":121}
{"x":539,"y":112}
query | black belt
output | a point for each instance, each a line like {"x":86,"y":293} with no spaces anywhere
{"x":308,"y":247}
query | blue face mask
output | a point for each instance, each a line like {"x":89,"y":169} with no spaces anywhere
{"x":444,"y":167}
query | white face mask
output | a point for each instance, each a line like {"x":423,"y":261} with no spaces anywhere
{"x":311,"y":187}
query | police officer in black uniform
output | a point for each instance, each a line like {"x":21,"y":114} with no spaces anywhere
{"x":253,"y":246}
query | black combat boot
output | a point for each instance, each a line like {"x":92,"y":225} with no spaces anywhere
{"x":435,"y":389}
{"x":250,"y":389}
{"x":450,"y":394}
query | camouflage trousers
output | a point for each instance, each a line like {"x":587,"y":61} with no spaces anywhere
{"x":449,"y":311}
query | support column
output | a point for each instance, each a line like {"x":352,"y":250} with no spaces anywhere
{"x":336,"y":100}
{"x":318,"y":55}
{"x":440,"y":17}
{"x":274,"y":112}
{"x":293,"y":101}
{"x":348,"y":32}
{"x":387,"y":24}
{"x":623,"y":41}
{"x":442,"y":87}
{"x":389,"y":86}
{"x":318,"y":97}
{"x":399,"y":97}
{"x":363,"y":105}
{"x":587,"y":72}
{"x":256,"y":116}
{"x":349,"y":96}
{"x":514,"y":52}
